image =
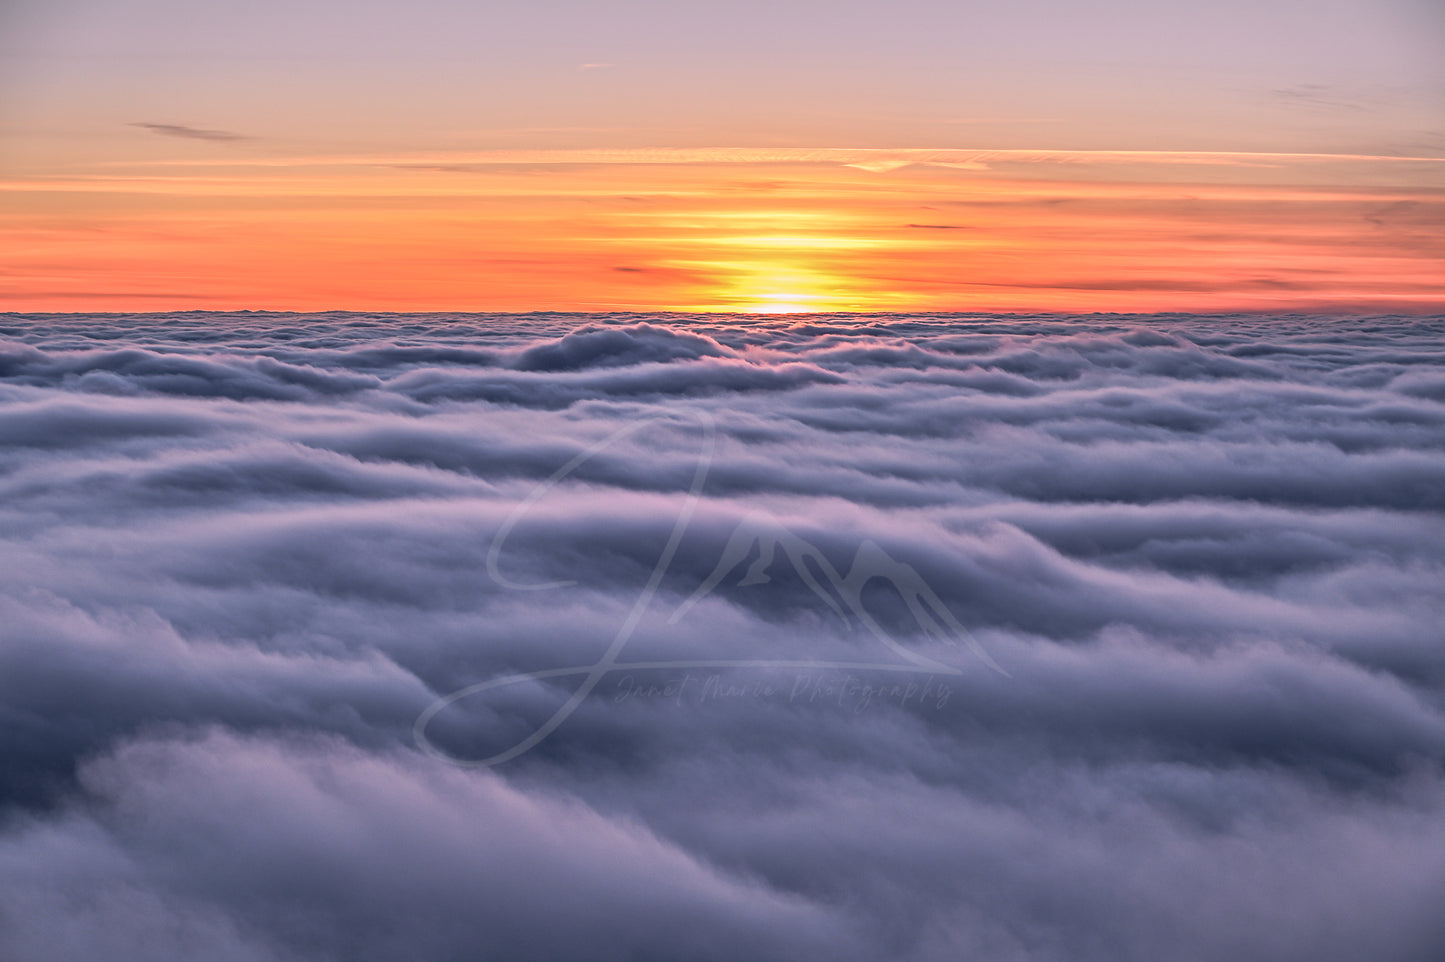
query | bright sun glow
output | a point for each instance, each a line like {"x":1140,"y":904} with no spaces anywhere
{"x":761,"y":287}
{"x":783,"y":303}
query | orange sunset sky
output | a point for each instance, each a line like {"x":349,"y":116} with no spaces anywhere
{"x":760,"y":157}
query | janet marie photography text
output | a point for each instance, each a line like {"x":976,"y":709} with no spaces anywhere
{"x":835,"y":690}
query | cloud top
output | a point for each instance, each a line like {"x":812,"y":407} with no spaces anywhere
{"x":246,"y":552}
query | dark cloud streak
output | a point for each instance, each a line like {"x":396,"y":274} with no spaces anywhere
{"x":187,"y":132}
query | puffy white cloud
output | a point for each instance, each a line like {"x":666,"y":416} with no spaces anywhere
{"x":246,"y":552}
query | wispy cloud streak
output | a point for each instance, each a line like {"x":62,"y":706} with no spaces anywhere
{"x":190,"y":133}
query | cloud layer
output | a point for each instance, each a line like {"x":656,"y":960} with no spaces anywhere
{"x":246,"y":552}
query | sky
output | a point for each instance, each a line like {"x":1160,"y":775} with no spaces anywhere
{"x":781,"y":156}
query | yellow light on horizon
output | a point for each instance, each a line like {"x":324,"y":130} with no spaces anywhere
{"x":784,"y":303}
{"x":797,"y":242}
{"x":766,"y":287}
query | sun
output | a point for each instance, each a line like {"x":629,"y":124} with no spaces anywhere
{"x":752,"y":287}
{"x":785,"y":303}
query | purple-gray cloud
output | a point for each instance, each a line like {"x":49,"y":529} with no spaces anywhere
{"x":246,"y":552}
{"x":190,"y":133}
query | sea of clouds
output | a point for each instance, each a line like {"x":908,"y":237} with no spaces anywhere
{"x":927,"y":638}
